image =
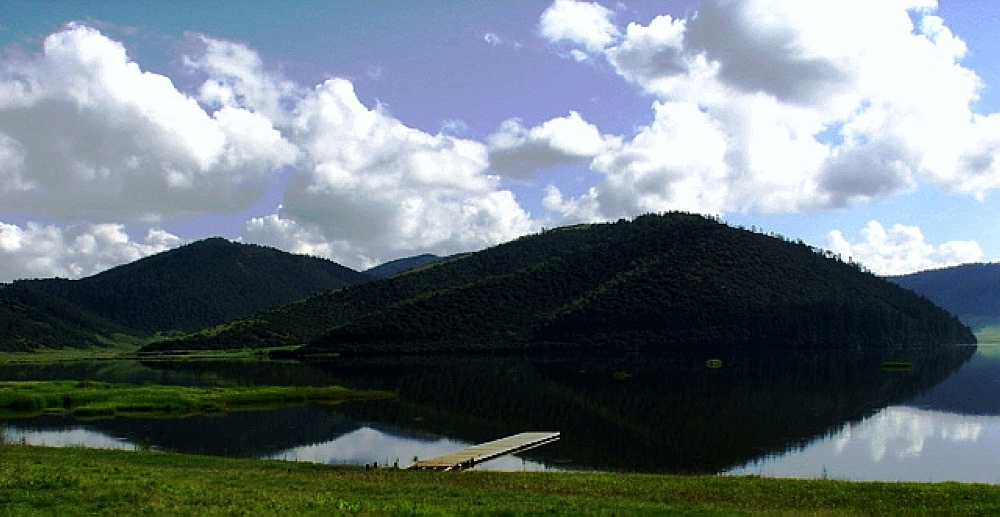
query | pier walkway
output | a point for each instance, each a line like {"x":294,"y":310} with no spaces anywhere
{"x":472,"y":456}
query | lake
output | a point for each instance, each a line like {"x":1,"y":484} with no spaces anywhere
{"x":932,"y":415}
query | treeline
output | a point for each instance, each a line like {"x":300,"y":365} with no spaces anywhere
{"x":659,"y":281}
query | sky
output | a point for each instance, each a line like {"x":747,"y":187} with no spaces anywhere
{"x":366,"y":131}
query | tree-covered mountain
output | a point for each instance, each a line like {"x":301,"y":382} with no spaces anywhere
{"x":32,"y":320}
{"x":672,"y":281}
{"x":201,"y":284}
{"x":970,"y":291}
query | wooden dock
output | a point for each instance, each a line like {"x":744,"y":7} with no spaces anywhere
{"x":472,"y":456}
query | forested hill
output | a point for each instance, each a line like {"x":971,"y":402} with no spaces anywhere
{"x":31,"y":319}
{"x":201,"y":284}
{"x":674,"y":281}
{"x":970,"y":291}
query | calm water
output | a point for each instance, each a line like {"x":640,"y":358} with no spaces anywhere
{"x":796,"y":414}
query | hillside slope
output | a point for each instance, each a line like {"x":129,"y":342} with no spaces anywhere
{"x":970,"y":291}
{"x":32,"y":320}
{"x":660,"y":281}
{"x":201,"y":284}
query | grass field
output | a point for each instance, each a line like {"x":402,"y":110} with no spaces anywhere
{"x":53,"y":481}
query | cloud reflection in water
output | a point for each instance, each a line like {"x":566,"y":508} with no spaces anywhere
{"x":897,"y":443}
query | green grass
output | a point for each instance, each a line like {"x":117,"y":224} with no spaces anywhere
{"x":50,"y":481}
{"x":64,"y":355}
{"x":90,"y":399}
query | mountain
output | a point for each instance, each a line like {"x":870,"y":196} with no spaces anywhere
{"x":397,"y":266}
{"x":666,"y":282}
{"x":31,"y":319}
{"x":970,"y":291}
{"x":201,"y":284}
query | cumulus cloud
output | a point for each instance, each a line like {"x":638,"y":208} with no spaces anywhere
{"x":293,"y":237}
{"x":370,"y":188}
{"x":517,"y":151}
{"x":367,"y":187}
{"x":587,"y":24}
{"x":793,"y":114}
{"x":235,"y":76}
{"x":756,"y":105}
{"x":901,"y":249}
{"x":85,"y":133}
{"x":43,"y":251}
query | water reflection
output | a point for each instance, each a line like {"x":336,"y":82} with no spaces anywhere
{"x":652,"y":414}
{"x":368,"y":445}
{"x":705,"y":413}
{"x":898,"y":443}
{"x":365,"y":445}
{"x":68,"y":437}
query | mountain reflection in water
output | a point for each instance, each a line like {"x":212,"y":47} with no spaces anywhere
{"x":635,"y":413}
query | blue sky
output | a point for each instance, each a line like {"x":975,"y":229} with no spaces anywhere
{"x":368,"y":131}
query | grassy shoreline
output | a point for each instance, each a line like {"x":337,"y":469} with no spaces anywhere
{"x":40,"y":480}
{"x":69,"y":355}
{"x":91,"y":399}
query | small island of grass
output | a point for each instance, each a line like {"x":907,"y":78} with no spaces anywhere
{"x":90,"y":399}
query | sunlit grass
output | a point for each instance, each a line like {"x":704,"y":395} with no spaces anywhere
{"x":58,"y":481}
{"x":47,"y":356}
{"x":90,"y":399}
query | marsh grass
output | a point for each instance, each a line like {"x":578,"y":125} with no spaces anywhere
{"x":56,"y":481}
{"x":91,"y":399}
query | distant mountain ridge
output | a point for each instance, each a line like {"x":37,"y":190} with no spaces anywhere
{"x":672,"y":281}
{"x":194,"y":286}
{"x":970,"y":291}
{"x":394,"y":267}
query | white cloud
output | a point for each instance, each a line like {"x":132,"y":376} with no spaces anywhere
{"x":518,"y":151}
{"x":43,"y":251}
{"x":367,"y":188}
{"x":289,"y":235}
{"x":587,"y":24}
{"x":901,"y":250}
{"x":235,"y":76}
{"x":796,"y":106}
{"x":87,"y":134}
{"x":372,"y":189}
{"x":757,"y":105}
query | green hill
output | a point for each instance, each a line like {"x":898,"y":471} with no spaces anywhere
{"x":671,"y":281}
{"x":970,"y":291}
{"x":31,"y":320}
{"x":201,"y":284}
